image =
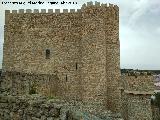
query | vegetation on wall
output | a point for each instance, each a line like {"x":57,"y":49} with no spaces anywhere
{"x":156,"y":101}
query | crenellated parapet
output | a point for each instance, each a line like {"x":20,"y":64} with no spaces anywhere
{"x":100,"y":10}
{"x":97,"y":4}
{"x":42,"y":11}
{"x":84,"y":6}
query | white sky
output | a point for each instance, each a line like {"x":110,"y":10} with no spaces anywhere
{"x":139,"y":29}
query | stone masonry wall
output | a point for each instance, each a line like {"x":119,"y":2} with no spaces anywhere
{"x":155,"y":112}
{"x":93,"y":54}
{"x":139,"y":107}
{"x":15,"y":84}
{"x":138,"y":83}
{"x":84,"y":49}
{"x":136,"y":96}
{"x":34,"y":33}
{"x":29,"y":108}
{"x":18,"y":83}
{"x":100,"y":54}
{"x":37,"y":107}
{"x":136,"y":107}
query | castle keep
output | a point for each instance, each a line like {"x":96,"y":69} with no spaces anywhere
{"x":74,"y":55}
{"x":83,"y":48}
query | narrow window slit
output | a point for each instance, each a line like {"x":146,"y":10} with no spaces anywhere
{"x":47,"y":54}
{"x":66,"y":78}
{"x":76,"y":66}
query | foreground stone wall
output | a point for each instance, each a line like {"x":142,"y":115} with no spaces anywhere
{"x":16,"y":83}
{"x":37,"y":107}
{"x":28,"y":108}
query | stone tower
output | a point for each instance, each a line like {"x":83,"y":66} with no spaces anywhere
{"x":81,"y":46}
{"x":100,"y":54}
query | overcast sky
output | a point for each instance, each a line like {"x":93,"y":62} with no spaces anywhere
{"x":139,"y":29}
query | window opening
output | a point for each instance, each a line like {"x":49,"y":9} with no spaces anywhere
{"x":47,"y":54}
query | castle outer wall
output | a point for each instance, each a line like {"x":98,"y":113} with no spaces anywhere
{"x":136,"y":96}
{"x":84,"y":49}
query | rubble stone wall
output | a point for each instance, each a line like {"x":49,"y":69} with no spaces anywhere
{"x":136,"y":107}
{"x":29,"y":108}
{"x":139,"y":107}
{"x":37,"y":107}
{"x":17,"y":83}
